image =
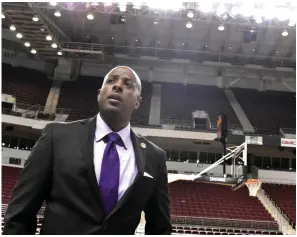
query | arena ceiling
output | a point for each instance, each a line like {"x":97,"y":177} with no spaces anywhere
{"x":249,"y":36}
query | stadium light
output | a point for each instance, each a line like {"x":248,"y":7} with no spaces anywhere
{"x":246,"y":9}
{"x":48,"y":37}
{"x":90,"y":16}
{"x":291,"y":23}
{"x":190,"y":14}
{"x":35,"y":18}
{"x":19,"y":35}
{"x":205,"y":6}
{"x":258,"y":20}
{"x":12,"y":28}
{"x":53,"y":4}
{"x":57,"y":13}
{"x":33,"y":51}
{"x":137,"y":5}
{"x":27,"y":44}
{"x":221,"y":27}
{"x":59,"y":53}
{"x":189,"y":25}
{"x":221,"y":9}
{"x":285,"y":33}
{"x":235,"y":10}
{"x":54,"y":45}
{"x":2,"y":16}
{"x":122,"y":7}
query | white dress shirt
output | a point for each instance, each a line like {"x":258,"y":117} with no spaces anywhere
{"x":128,"y":168}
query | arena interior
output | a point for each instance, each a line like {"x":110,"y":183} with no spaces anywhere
{"x":198,"y":61}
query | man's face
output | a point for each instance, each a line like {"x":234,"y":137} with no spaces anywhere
{"x":120,"y":93}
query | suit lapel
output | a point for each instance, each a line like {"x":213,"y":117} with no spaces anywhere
{"x":87,"y":135}
{"x":140,"y":156}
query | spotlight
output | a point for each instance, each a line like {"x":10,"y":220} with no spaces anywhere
{"x":53,"y":4}
{"x":48,"y":37}
{"x":27,"y":44}
{"x":190,"y":14}
{"x":57,"y":13}
{"x":137,"y":5}
{"x":156,"y":22}
{"x":221,"y":9}
{"x":189,"y":25}
{"x":123,"y":19}
{"x":2,"y":16}
{"x":33,"y":51}
{"x":285,"y":33}
{"x":235,"y":11}
{"x":122,"y":8}
{"x":221,"y":27}
{"x":252,"y":30}
{"x":35,"y":18}
{"x":19,"y":35}
{"x":54,"y":45}
{"x":205,"y":6}
{"x":42,"y":29}
{"x":90,"y":16}
{"x":12,"y":28}
{"x":259,"y":20}
{"x":291,"y":23}
{"x":59,"y":53}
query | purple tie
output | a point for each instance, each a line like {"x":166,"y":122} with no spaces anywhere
{"x":110,"y":172}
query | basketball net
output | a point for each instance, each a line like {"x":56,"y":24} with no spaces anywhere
{"x":253,"y":185}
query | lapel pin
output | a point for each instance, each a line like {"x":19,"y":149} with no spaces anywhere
{"x":143,"y":145}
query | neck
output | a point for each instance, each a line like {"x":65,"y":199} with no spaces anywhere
{"x":114,"y":122}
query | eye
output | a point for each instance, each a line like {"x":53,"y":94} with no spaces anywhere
{"x":128,"y":84}
{"x":111,"y":80}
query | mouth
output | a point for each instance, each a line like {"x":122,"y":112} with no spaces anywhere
{"x":115,"y":98}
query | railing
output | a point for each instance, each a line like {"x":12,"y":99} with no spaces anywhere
{"x":279,"y":209}
{"x":233,"y":223}
{"x":34,"y":112}
{"x":288,"y":130}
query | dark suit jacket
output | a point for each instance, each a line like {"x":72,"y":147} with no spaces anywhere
{"x":60,"y":170}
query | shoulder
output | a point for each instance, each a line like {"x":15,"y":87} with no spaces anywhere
{"x":63,"y":127}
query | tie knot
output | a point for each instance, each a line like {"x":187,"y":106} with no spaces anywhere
{"x":114,"y":137}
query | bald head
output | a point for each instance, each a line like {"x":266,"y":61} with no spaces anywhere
{"x":130,"y":72}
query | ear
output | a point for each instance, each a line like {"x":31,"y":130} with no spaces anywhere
{"x":138,"y":102}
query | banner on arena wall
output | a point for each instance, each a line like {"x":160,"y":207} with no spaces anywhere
{"x":287,"y":142}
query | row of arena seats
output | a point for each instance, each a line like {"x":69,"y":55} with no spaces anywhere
{"x":187,"y":199}
{"x":268,"y":111}
{"x":215,"y":201}
{"x":194,"y":230}
{"x":194,"y":199}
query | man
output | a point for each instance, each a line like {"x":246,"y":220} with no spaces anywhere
{"x":96,"y":175}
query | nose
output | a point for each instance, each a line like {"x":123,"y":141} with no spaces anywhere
{"x":118,"y":87}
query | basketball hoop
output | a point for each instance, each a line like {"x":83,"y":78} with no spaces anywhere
{"x":253,"y":186}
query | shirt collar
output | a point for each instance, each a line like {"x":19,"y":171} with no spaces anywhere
{"x":102,"y":129}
